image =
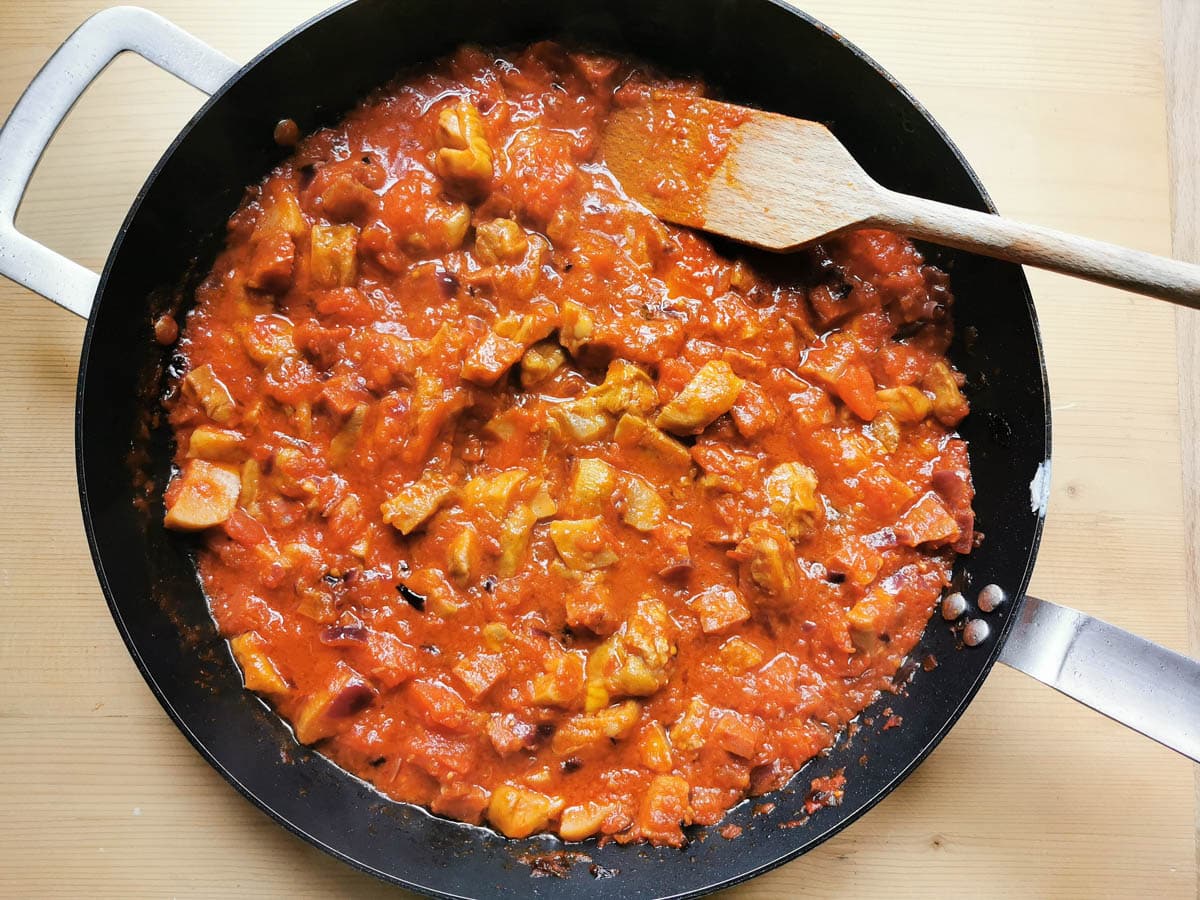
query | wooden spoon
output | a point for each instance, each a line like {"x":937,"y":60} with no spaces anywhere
{"x":780,"y":183}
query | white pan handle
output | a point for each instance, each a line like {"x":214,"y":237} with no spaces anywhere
{"x":44,"y":105}
{"x":1147,"y":687}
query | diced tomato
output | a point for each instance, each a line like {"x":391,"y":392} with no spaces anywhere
{"x":837,"y":368}
{"x":510,"y":733}
{"x":664,"y":808}
{"x":371,"y":737}
{"x":882,"y":492}
{"x":464,"y":802}
{"x":709,"y":804}
{"x":927,"y":522}
{"x":246,"y":530}
{"x":346,"y":305}
{"x":343,"y":393}
{"x":856,"y":387}
{"x":856,"y":560}
{"x":390,"y":661}
{"x":440,"y":704}
{"x":733,"y":734}
{"x":753,"y":413}
{"x":272,"y":263}
{"x":438,"y":754}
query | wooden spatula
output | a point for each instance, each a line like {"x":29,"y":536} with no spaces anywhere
{"x":779,"y":183}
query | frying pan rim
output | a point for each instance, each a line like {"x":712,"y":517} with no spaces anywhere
{"x":266,"y":807}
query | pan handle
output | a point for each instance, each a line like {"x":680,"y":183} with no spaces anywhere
{"x":1149,"y":688}
{"x":44,"y":105}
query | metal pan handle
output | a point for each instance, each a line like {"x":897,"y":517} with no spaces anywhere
{"x":1151,"y":689}
{"x":44,"y":105}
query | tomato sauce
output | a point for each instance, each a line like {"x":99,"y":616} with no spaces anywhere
{"x":530,"y":509}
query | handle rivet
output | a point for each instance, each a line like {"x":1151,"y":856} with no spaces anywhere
{"x":953,"y":606}
{"x":991,"y":597}
{"x":976,"y":632}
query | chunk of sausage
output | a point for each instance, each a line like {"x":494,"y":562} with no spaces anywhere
{"x":500,"y":241}
{"x":412,"y":505}
{"x":328,"y":710}
{"x":583,"y":544}
{"x":792,"y":492}
{"x":664,"y":809}
{"x":767,"y":562}
{"x":711,"y":392}
{"x":216,"y":445}
{"x":540,"y":362}
{"x":592,"y":484}
{"x":479,"y":672}
{"x":333,"y":255}
{"x":927,"y":522}
{"x":464,"y":157}
{"x":204,"y":494}
{"x":589,"y":605}
{"x":626,"y":388}
{"x":259,"y":673}
{"x":949,"y":404}
{"x":633,"y":661}
{"x":202,"y":386}
{"x":271,"y":263}
{"x":346,"y":199}
{"x":588,"y":729}
{"x":906,"y":403}
{"x":640,"y":505}
{"x":718,"y":607}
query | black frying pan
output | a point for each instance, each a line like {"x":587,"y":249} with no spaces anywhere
{"x":751,"y":51}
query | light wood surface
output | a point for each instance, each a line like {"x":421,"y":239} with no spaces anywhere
{"x":1062,"y":109}
{"x":1181,"y":39}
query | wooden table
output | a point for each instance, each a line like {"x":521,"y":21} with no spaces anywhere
{"x":1062,"y":109}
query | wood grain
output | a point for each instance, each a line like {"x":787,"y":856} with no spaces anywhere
{"x":1181,"y":39}
{"x":1059,"y":106}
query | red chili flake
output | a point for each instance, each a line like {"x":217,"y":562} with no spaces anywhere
{"x":729,"y":832}
{"x":763,"y":809}
{"x":893,"y":722}
{"x":929,"y":663}
{"x":794,"y":823}
{"x":826,"y":792}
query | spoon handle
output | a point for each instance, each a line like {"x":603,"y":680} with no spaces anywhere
{"x":991,"y":235}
